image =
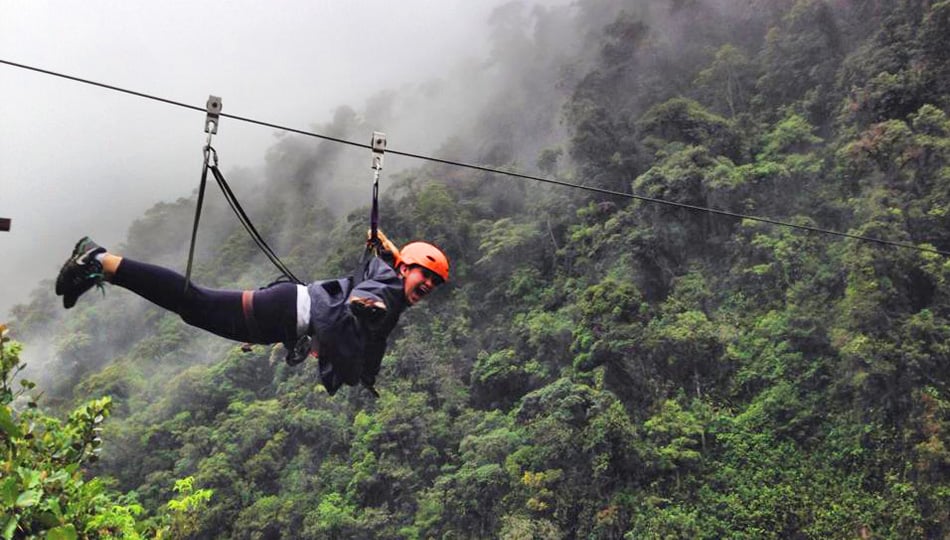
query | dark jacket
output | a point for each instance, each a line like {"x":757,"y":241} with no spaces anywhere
{"x":350,"y":350}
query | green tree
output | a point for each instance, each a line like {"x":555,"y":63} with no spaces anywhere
{"x":43,"y":486}
{"x":728,"y":83}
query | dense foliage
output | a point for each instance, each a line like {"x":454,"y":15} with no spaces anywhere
{"x":599,"y":367}
{"x":43,"y":492}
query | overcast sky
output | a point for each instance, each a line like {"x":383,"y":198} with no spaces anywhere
{"x":76,"y":159}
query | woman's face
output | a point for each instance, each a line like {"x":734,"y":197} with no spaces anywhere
{"x":418,"y":282}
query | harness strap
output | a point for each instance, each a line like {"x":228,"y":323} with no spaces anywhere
{"x":201,"y":196}
{"x":378,"y":145}
{"x":248,"y":226}
{"x":247,"y":304}
{"x":374,"y":215}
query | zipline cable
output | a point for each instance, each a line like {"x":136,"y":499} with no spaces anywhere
{"x":677,"y":204}
{"x":180,"y":104}
{"x":482,"y":168}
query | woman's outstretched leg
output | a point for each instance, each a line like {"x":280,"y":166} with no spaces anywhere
{"x":261,"y":316}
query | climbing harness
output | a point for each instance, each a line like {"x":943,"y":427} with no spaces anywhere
{"x":211,"y":164}
{"x":212,"y":117}
{"x":298,"y":350}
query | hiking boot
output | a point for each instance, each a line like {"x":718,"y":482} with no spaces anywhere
{"x":80,"y":273}
{"x":367,"y":309}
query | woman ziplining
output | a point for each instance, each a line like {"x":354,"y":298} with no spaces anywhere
{"x":343,"y":322}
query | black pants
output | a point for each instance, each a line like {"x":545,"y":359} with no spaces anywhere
{"x":266,"y":315}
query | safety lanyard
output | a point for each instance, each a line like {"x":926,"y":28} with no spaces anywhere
{"x":378,"y":144}
{"x":211,"y":164}
{"x":213,"y":108}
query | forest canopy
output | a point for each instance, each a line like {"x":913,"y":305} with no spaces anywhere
{"x":599,"y":366}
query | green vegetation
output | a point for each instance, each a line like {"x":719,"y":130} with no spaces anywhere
{"x":43,"y":492}
{"x":598,"y":367}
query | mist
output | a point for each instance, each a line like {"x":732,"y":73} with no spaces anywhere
{"x":77,"y":159}
{"x":457,"y":81}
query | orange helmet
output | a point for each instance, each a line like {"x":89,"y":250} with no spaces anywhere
{"x":427,"y":256}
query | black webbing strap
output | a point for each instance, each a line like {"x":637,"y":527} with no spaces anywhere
{"x":374,"y":217}
{"x":194,"y":228}
{"x":359,"y":273}
{"x":378,"y":145}
{"x":373,"y":243}
{"x":238,"y":211}
{"x":246,"y":222}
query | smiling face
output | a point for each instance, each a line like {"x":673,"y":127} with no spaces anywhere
{"x":418,"y":282}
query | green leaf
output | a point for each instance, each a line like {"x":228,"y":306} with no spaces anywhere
{"x":29,"y":498}
{"x":9,"y":529}
{"x":54,"y":507}
{"x":8,"y":492}
{"x":65,"y":532}
{"x":30,"y":477}
{"x":58,"y":476}
{"x":6,"y":423}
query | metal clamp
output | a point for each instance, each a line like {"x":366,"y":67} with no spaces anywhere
{"x":378,"y":144}
{"x":214,"y":111}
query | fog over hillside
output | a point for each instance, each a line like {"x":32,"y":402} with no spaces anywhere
{"x":77,"y":159}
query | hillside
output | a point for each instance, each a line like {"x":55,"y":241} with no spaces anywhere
{"x":600,"y":366}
